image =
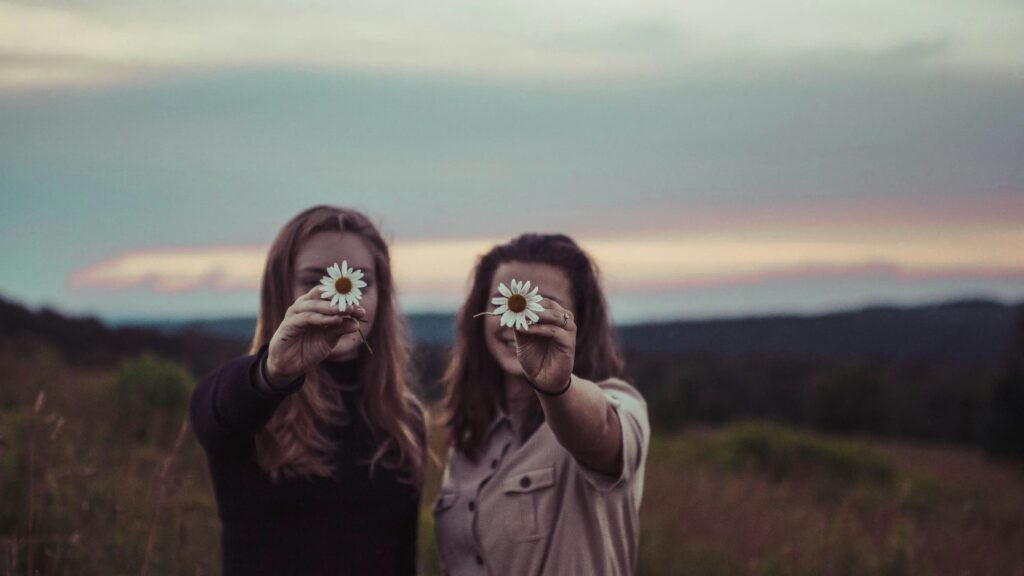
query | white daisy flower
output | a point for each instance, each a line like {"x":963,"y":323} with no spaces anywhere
{"x":342,"y":285}
{"x":518,"y":306}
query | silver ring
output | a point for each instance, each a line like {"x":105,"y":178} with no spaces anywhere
{"x":565,"y":319}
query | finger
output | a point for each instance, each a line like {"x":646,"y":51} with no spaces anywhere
{"x":319,"y":306}
{"x":355,"y":311}
{"x":562,"y":338}
{"x":542,"y":330}
{"x":550,"y":304}
{"x":349,"y":325}
{"x":313,"y":293}
{"x":307,"y":320}
{"x":561,"y":318}
{"x":557,"y":309}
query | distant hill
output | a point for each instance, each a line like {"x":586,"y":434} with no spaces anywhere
{"x":936,"y":372}
{"x":432,"y":329}
{"x":967,"y":331}
{"x":970,"y":331}
{"x":87,"y":341}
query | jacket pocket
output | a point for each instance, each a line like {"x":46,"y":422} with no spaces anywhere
{"x":529,"y":504}
{"x":445,"y":500}
{"x":445,"y":525}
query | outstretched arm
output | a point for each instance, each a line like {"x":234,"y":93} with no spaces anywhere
{"x":576,"y":409}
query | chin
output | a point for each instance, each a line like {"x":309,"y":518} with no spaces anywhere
{"x":343,"y":354}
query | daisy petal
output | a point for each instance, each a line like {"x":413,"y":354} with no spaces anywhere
{"x":507,"y":319}
{"x":525,"y":287}
{"x":534,"y":291}
{"x":504,"y":290}
{"x":500,"y":309}
{"x":344,"y":267}
{"x":534,"y":306}
{"x":334,"y":300}
{"x":359,"y":284}
{"x":531,"y":315}
{"x":499,"y":301}
{"x":356,"y":275}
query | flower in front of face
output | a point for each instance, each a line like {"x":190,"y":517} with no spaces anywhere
{"x":517,"y":305}
{"x":342,"y":285}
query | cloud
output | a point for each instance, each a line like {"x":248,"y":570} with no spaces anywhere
{"x":507,"y":39}
{"x":176,"y":270}
{"x":868,"y":271}
{"x":438,"y":268}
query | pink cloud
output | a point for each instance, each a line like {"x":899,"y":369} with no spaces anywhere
{"x":816,"y":272}
{"x":175,"y":270}
{"x":440,"y":269}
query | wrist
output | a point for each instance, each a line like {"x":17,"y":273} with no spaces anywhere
{"x":274,"y":376}
{"x":550,"y":393}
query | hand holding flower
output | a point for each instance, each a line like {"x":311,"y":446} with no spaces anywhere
{"x":547,"y":351}
{"x":343,"y":286}
{"x":310,"y":330}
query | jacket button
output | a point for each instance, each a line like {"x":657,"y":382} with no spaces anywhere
{"x":525,"y":482}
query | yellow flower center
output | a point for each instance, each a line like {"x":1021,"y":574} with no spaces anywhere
{"x":343,"y":285}
{"x":517,"y":303}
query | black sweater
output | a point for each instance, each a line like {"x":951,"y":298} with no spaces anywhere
{"x":349,"y":524}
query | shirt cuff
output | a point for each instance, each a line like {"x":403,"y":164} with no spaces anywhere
{"x":239,"y":403}
{"x":632,"y":416}
{"x":264,"y":385}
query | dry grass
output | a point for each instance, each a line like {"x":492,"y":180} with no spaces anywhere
{"x":106,"y":505}
{"x":700,"y":518}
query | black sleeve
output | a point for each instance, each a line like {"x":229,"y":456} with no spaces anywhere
{"x":227,"y":408}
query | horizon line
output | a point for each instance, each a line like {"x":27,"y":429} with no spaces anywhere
{"x":128,"y":321}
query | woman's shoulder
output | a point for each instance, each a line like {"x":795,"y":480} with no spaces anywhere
{"x":621,"y":387}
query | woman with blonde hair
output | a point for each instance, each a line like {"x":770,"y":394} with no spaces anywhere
{"x":549,"y":443}
{"x":314,"y":442}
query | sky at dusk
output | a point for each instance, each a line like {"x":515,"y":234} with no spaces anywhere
{"x":716,"y":158}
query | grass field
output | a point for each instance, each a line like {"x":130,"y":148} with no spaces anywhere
{"x":112,"y":495}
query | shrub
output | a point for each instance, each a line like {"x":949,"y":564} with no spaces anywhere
{"x":151,"y":397}
{"x":783,"y":452}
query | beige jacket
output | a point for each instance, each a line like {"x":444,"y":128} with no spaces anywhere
{"x":532,"y":509}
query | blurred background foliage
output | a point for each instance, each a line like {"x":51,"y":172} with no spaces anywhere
{"x":761,"y":463}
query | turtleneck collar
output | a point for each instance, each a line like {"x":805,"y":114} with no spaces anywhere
{"x":343,"y":373}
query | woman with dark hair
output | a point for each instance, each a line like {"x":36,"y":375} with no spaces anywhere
{"x":315,"y":445}
{"x":545,"y":472}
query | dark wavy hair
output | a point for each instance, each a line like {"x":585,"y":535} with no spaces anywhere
{"x":473,"y":380}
